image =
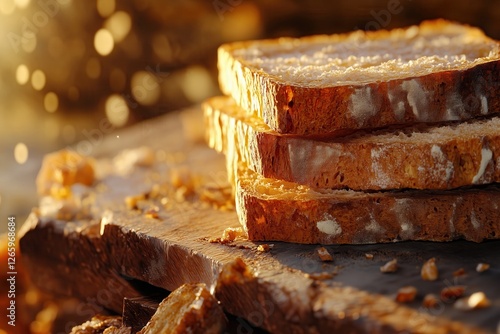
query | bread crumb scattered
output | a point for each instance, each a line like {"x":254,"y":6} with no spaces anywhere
{"x":430,"y":301}
{"x":482,"y":267}
{"x":265,"y":248}
{"x":324,"y":255}
{"x":429,"y":271}
{"x":152,"y":212}
{"x":62,"y":169}
{"x":475,"y":301}
{"x":452,"y":292}
{"x":369,"y":256}
{"x":320,"y":276}
{"x":132,"y":201}
{"x":390,"y":267}
{"x":231,"y":233}
{"x":406,"y":294}
{"x":459,"y":272}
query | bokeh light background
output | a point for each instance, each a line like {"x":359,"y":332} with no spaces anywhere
{"x":67,"y":65}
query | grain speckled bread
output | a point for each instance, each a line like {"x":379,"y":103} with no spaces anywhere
{"x":333,"y":85}
{"x":275,"y":210}
{"x":437,"y":157}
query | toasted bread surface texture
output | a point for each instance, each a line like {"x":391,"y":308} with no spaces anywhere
{"x":330,"y":86}
{"x":423,"y":157}
{"x":281,"y":211}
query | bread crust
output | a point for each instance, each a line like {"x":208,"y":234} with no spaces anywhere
{"x":333,"y":111}
{"x":346,"y":217}
{"x":436,"y":158}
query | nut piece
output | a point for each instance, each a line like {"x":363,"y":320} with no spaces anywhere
{"x":390,"y":266}
{"x":429,"y":271}
{"x":406,"y":294}
{"x":475,"y":301}
{"x":452,"y":292}
{"x":481,"y":267}
{"x":324,"y":255}
{"x":369,"y":256}
{"x":430,"y":301}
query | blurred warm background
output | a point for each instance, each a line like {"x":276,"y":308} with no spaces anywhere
{"x":69,"y":69}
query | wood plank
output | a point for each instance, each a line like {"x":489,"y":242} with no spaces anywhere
{"x":129,"y":254}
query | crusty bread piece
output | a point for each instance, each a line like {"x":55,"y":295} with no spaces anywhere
{"x":276,"y":210}
{"x":190,"y":308}
{"x":332,"y":85}
{"x":437,"y":157}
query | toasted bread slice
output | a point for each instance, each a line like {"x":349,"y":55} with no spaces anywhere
{"x":433,"y":157}
{"x":276,"y":210}
{"x":330,"y":86}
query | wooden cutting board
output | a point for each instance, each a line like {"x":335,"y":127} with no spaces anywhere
{"x":287,"y":289}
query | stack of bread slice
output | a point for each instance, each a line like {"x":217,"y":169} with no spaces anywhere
{"x":364,"y":137}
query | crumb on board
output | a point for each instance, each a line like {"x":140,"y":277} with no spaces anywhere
{"x":406,"y":294}
{"x":229,"y":235}
{"x":390,"y":267}
{"x":321,"y":276}
{"x":429,"y":271}
{"x":452,"y":292}
{"x":264,"y":248}
{"x":324,"y":254}
{"x":476,"y":300}
{"x":132,"y":201}
{"x":459,"y":272}
{"x":152,"y":212}
{"x":482,"y":267}
{"x":430,"y":301}
{"x":369,"y":256}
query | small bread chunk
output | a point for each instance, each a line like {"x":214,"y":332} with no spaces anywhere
{"x":189,"y":309}
{"x":390,"y":267}
{"x":324,"y":254}
{"x":99,"y":324}
{"x":429,"y":271}
{"x":62,"y":169}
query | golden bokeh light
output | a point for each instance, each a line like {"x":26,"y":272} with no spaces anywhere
{"x":22,"y":74}
{"x":145,"y":88}
{"x":7,"y":7}
{"x":38,"y":80}
{"x":103,"y":42}
{"x":21,"y":153}
{"x":51,"y":102}
{"x":117,"y":110}
{"x":93,"y":68}
{"x":197,"y":84}
{"x":105,"y":7}
{"x":22,"y":3}
{"x":119,"y":25}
